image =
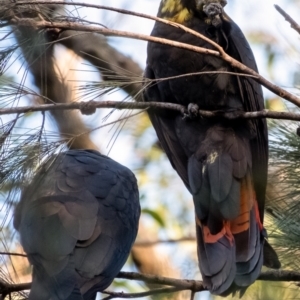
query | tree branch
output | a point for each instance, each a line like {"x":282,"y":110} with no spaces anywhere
{"x":38,"y":52}
{"x":186,"y":284}
{"x":8,"y":288}
{"x":279,"y":275}
{"x":176,"y":284}
{"x":37,"y":25}
{"x":159,"y":291}
{"x":128,"y":12}
{"x":25,"y":22}
{"x":288,"y":18}
{"x":91,"y":106}
{"x":112,"y":64}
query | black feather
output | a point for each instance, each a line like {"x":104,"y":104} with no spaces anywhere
{"x":77,"y":221}
{"x":212,"y":156}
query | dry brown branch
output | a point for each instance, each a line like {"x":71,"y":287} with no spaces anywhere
{"x":91,"y":106}
{"x":37,"y":25}
{"x":288,"y":18}
{"x":178,"y":284}
{"x":280,"y":275}
{"x":196,"y":285}
{"x":128,"y":12}
{"x":49,"y":76}
{"x":159,"y":291}
{"x":25,"y":22}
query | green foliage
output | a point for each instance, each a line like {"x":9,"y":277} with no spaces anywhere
{"x":155,"y":215}
{"x":284,"y":195}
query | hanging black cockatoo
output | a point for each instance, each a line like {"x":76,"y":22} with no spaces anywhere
{"x":77,"y":220}
{"x":223,"y":163}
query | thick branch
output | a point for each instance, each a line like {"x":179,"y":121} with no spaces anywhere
{"x":110,"y":32}
{"x":48,"y":77}
{"x":113,"y":65}
{"x":91,"y":106}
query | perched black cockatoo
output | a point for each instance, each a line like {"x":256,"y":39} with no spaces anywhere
{"x":223,"y":163}
{"x":77,"y":220}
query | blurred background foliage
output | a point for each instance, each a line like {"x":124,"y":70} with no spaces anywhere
{"x":82,"y":67}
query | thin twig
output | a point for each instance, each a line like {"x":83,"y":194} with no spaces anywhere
{"x":203,"y":73}
{"x":13,"y":254}
{"x":288,"y":18}
{"x":91,"y":106}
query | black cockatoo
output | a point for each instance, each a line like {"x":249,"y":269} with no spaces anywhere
{"x":77,"y":220}
{"x":223,"y":163}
